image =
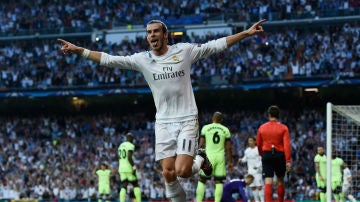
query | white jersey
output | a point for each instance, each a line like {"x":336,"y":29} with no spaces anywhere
{"x":168,"y":76}
{"x":346,"y":176}
{"x":253,"y":159}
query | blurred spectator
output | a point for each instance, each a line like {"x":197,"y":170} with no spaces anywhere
{"x":292,"y":54}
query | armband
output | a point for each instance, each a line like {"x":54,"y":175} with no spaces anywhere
{"x":85,"y":53}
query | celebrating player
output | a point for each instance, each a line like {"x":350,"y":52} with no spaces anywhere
{"x":104,"y":173}
{"x":166,"y":69}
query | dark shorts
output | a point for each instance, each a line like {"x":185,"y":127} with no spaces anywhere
{"x":273,"y":163}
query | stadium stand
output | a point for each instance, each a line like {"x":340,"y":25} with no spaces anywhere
{"x":289,"y":54}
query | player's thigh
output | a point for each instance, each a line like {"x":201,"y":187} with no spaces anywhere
{"x":187,"y":142}
{"x":335,"y":184}
{"x":346,"y":188}
{"x":165,"y":140}
{"x":133,"y":177}
{"x":320,"y":183}
{"x":280,"y":164}
{"x":127,"y":176}
{"x":226,"y":197}
{"x":104,"y":189}
{"x":258,"y":180}
{"x":267,"y":164}
{"x":219,"y":166}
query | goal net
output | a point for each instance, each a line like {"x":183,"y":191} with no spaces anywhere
{"x":343,"y":139}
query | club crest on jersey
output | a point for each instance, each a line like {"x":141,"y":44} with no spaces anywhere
{"x":175,"y":58}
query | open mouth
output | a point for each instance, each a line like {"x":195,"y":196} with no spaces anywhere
{"x":154,"y":42}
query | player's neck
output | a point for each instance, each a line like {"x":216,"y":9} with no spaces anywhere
{"x":272,"y":119}
{"x":162,"y":51}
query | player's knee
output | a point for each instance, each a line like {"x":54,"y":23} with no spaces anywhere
{"x":184,"y":171}
{"x":135,"y":183}
{"x":124,"y":184}
{"x":168,"y":173}
{"x":337,"y":190}
{"x":203,"y":179}
{"x":322,"y":189}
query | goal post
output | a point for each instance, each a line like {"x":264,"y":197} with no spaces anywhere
{"x":343,"y":138}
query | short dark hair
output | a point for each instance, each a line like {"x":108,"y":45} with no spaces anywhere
{"x":250,"y":176}
{"x":129,"y":136}
{"x":274,"y":111}
{"x":164,"y":27}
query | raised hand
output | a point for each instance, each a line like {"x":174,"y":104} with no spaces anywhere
{"x":256,"y":28}
{"x":68,"y":47}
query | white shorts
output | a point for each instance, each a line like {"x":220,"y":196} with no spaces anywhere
{"x":176,"y":138}
{"x":346,"y":188}
{"x":258,"y":180}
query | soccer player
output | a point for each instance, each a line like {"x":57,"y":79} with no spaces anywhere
{"x":236,"y":186}
{"x":127,"y":168}
{"x":320,"y":168}
{"x":254,"y":165}
{"x":273,"y":141}
{"x":336,"y":177}
{"x":166,"y":69}
{"x":215,"y":138}
{"x":346,"y":188}
{"x":103,"y":173}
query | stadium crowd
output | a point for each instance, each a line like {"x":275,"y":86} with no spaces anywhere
{"x":52,"y":157}
{"x":24,"y":17}
{"x":327,"y":52}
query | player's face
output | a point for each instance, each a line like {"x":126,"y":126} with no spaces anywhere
{"x":156,"y":37}
{"x":251,"y":142}
{"x":248,"y":181}
{"x":320,"y":151}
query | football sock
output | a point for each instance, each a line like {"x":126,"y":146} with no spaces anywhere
{"x":261,"y":194}
{"x":281,"y":192}
{"x":256,"y":195}
{"x":198,"y":160}
{"x":322,"y":197}
{"x":175,"y":191}
{"x":137,"y":194}
{"x":268,"y":192}
{"x":122,"y":195}
{"x":218,"y":192}
{"x":200,"y":191}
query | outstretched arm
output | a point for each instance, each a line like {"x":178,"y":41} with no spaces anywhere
{"x":254,"y":29}
{"x":242,"y":193}
{"x":229,"y":154}
{"x":68,"y":47}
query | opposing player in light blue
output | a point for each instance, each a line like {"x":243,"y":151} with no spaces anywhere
{"x":127,"y":168}
{"x":215,"y":138}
